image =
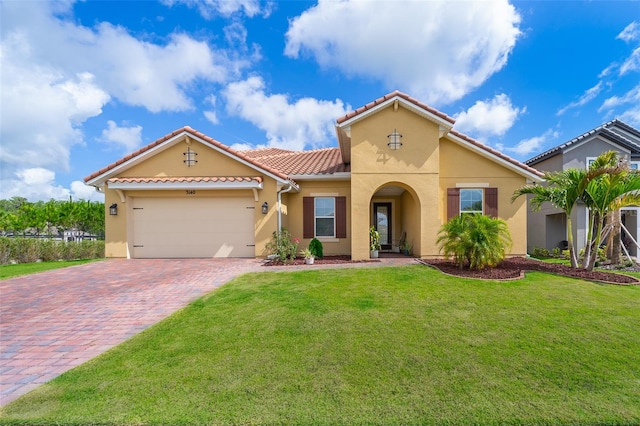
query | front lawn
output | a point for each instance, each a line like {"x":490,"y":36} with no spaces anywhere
{"x":19,"y":269}
{"x":403,"y":345}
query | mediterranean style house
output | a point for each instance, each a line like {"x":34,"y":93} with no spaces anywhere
{"x":547,"y":228}
{"x":400,"y":166}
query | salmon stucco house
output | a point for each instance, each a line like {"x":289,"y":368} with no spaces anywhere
{"x":400,"y":166}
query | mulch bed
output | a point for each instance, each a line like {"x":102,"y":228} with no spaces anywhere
{"x":515,"y":267}
{"x":326,"y":260}
{"x":508,"y":269}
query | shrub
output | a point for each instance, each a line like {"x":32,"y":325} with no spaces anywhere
{"x":477,"y":240}
{"x":283,"y":246}
{"x":541,"y":252}
{"x":374,"y":239}
{"x":315,"y":247}
{"x":28,"y":250}
{"x":601,"y":256}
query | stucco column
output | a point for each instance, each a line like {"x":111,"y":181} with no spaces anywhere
{"x":360,"y":200}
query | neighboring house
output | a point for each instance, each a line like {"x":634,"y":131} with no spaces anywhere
{"x":548,"y":227}
{"x":400,"y":166}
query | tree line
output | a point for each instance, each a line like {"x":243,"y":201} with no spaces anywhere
{"x":22,"y":218}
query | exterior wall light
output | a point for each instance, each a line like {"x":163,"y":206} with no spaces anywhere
{"x":113,"y":209}
{"x":394,"y":140}
{"x":265,"y":207}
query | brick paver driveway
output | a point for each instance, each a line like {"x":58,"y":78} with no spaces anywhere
{"x":53,"y":321}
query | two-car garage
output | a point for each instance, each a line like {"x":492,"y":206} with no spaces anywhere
{"x":185,"y":227}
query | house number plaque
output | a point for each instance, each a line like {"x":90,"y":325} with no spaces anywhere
{"x":191,"y":192}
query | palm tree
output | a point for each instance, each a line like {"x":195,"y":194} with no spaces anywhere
{"x":479,"y":240}
{"x":615,"y":186}
{"x":564,"y":188}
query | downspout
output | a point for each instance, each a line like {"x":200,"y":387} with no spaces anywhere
{"x":282,"y":191}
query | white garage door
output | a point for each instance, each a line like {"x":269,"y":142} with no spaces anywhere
{"x":193,"y":227}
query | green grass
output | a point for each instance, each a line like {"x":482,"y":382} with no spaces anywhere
{"x":10,"y":271}
{"x":404,"y":345}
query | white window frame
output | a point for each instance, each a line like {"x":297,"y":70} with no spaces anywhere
{"x":481,"y":211}
{"x":589,"y":161}
{"x":316,"y":217}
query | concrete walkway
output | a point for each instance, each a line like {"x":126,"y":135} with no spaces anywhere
{"x":53,"y":321}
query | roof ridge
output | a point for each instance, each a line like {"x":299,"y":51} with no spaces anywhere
{"x":396,"y":93}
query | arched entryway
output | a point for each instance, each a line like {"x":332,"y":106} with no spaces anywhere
{"x":394,"y":210}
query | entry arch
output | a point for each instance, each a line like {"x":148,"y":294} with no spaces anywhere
{"x":395,"y":210}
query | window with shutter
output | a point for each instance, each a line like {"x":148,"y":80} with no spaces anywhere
{"x":324,"y":217}
{"x":472,"y":200}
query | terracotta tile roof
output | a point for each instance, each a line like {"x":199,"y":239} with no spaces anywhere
{"x":185,"y":179}
{"x":192,"y":132}
{"x":496,"y":153}
{"x":389,"y":96}
{"x":316,"y":162}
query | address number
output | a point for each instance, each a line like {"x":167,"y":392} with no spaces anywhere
{"x":191,"y":192}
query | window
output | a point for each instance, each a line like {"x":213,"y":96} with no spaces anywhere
{"x":471,"y":201}
{"x":325,"y":217}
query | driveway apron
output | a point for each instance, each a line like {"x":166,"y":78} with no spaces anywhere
{"x":53,"y":321}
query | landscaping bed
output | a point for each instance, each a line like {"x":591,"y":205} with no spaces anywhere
{"x":513,"y":268}
{"x":326,"y":260}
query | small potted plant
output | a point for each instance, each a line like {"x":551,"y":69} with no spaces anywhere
{"x":406,"y":248}
{"x":308,"y":256}
{"x":374,"y":242}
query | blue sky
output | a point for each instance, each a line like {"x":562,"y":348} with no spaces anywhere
{"x":84,"y":83}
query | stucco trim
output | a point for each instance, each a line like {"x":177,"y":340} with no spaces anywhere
{"x":472,"y":185}
{"x":168,"y":185}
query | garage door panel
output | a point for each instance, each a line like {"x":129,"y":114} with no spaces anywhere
{"x":202,"y":227}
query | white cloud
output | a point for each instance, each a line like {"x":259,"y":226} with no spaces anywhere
{"x":586,"y":97}
{"x":211,"y":8}
{"x":42,"y":110}
{"x":289,"y":125}
{"x":632,"y":96}
{"x":491,"y":117}
{"x":632,"y":63}
{"x":56,"y":74}
{"x":631,"y":100}
{"x":413,"y":46}
{"x":527,"y":146}
{"x":80,"y":191}
{"x":211,"y":115}
{"x":136,"y":72}
{"x":38,"y":183}
{"x":129,"y":138}
{"x":630,"y":33}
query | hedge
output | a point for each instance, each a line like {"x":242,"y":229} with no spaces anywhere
{"x":28,"y":250}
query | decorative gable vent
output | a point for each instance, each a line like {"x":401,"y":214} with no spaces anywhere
{"x":190,"y":157}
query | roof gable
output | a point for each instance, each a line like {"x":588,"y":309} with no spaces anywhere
{"x":396,"y":100}
{"x":99,"y":177}
{"x":614,"y":131}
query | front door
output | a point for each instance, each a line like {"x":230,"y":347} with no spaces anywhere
{"x":382,"y":219}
